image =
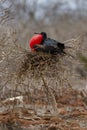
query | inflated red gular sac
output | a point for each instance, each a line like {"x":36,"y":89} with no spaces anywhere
{"x":41,"y":43}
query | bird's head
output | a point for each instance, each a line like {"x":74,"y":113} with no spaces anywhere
{"x":37,"y":39}
{"x":43,"y":34}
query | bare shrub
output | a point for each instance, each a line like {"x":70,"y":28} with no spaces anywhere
{"x":22,"y":71}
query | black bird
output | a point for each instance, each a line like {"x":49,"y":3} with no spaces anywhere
{"x":41,"y":43}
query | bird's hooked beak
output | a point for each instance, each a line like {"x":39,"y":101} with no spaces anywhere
{"x":36,"y":33}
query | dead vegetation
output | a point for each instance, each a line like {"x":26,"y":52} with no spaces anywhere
{"x":72,"y":113}
{"x":43,"y":81}
{"x":36,"y":90}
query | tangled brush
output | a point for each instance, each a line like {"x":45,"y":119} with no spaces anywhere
{"x":38,"y":61}
{"x":49,"y":64}
{"x":21,"y":68}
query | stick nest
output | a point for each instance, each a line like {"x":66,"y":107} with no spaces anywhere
{"x":39,"y":62}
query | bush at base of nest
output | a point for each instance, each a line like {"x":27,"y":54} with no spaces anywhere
{"x":42,"y":62}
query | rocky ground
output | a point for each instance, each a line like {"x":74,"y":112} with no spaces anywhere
{"x":39,"y":114}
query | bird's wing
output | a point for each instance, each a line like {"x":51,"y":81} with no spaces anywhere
{"x":44,"y":48}
{"x":54,"y":43}
{"x":48,"y":49}
{"x":50,"y":42}
{"x":38,"y":47}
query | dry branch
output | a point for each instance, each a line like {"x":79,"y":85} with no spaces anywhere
{"x":35,"y":68}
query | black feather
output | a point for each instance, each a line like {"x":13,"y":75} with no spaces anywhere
{"x":50,"y":45}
